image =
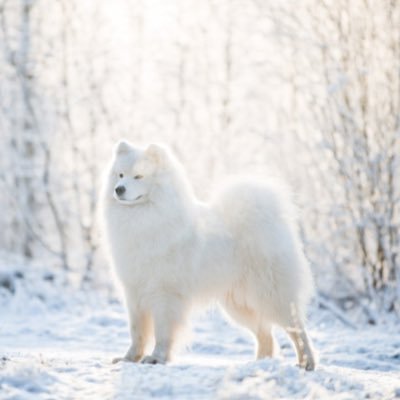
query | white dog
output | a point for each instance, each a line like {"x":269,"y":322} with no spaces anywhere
{"x":171,"y":251}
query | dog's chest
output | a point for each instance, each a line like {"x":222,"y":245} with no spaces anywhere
{"x":147,"y":253}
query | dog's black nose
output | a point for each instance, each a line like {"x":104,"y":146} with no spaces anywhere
{"x":120,"y":190}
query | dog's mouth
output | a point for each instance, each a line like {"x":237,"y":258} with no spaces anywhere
{"x":125,"y":202}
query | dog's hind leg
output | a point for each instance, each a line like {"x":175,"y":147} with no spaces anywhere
{"x":305,"y":354}
{"x":267,"y":346}
{"x":301,"y":341}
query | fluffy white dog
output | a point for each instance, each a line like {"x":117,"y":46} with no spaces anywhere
{"x":171,"y":251}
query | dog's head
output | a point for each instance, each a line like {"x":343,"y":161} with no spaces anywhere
{"x":134,"y":172}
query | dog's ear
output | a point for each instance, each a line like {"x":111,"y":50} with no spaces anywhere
{"x":122,"y":146}
{"x":156,"y":153}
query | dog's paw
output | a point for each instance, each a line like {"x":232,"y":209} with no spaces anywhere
{"x":152,"y":360}
{"x":308,"y":364}
{"x":123,"y":359}
{"x":117,"y":360}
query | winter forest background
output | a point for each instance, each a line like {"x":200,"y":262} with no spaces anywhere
{"x":309,"y":88}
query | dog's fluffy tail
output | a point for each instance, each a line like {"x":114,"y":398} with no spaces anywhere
{"x":262,"y":218}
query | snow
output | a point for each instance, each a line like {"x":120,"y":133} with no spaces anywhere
{"x":57,"y":341}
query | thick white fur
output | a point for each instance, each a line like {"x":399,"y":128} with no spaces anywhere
{"x":171,"y":252}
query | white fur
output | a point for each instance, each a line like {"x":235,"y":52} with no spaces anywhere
{"x":171,"y":252}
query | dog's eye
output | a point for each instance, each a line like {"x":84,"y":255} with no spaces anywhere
{"x":121,"y":175}
{"x":138,"y":176}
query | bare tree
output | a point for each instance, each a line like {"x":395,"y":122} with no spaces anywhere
{"x":347,"y":60}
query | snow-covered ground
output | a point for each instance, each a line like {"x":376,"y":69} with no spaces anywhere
{"x":57,"y":343}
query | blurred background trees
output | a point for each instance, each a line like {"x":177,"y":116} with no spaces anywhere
{"x":351,"y":101}
{"x":311,"y":88}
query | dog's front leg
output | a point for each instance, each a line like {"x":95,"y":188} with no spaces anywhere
{"x":140,"y":330}
{"x":168,"y":320}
